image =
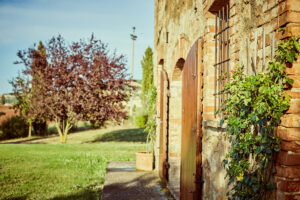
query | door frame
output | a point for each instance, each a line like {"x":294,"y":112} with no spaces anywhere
{"x":163,"y":164}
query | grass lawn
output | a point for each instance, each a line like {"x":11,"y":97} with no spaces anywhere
{"x":71,"y":171}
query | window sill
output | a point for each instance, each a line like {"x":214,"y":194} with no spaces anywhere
{"x":214,"y":124}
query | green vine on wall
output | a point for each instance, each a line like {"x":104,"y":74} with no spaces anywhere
{"x":252,"y":112}
{"x":151,"y":122}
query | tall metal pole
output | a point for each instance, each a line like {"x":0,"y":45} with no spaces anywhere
{"x":133,"y":38}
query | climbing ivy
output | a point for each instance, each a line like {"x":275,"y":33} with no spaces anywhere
{"x":151,"y":122}
{"x":252,"y":111}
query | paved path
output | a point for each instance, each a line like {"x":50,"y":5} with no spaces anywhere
{"x":123,"y":182}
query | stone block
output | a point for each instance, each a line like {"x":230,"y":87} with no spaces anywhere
{"x":209,"y":109}
{"x":293,"y":146}
{"x":288,"y":158}
{"x":288,"y":134}
{"x":293,"y":5}
{"x":296,"y":79}
{"x":293,"y":94}
{"x":286,"y":196}
{"x":288,"y":185}
{"x":289,"y":17}
{"x":291,"y":120}
{"x":288,"y":171}
{"x":294,"y":69}
{"x":294,"y":106}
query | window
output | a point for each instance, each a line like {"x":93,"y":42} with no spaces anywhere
{"x":221,"y":53}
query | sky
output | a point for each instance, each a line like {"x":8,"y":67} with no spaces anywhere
{"x":25,"y":22}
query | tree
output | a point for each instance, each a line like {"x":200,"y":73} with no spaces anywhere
{"x":80,"y":81}
{"x":27,"y":91}
{"x":149,"y":94}
{"x":22,"y":92}
{"x":2,"y":99}
{"x":147,"y":66}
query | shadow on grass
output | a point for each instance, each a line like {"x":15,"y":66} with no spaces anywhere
{"x":17,"y":198}
{"x":83,"y":126}
{"x":22,"y":141}
{"x":83,"y":194}
{"x":124,"y":135}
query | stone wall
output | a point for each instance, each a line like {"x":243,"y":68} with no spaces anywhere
{"x":288,"y":159}
{"x":178,"y":24}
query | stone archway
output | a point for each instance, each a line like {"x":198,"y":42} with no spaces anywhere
{"x":175,"y":127}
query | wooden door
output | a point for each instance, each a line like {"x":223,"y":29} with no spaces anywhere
{"x":164,"y":118}
{"x":190,"y":173}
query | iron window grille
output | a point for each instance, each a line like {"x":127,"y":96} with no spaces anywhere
{"x":221,"y":54}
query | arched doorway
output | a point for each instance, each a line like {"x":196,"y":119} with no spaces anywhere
{"x":190,"y":172}
{"x":164,"y":127}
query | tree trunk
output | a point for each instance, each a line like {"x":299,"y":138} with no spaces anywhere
{"x":30,"y":129}
{"x":57,"y":124}
{"x":63,"y":134}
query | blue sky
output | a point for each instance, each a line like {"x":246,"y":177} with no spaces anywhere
{"x":25,"y":22}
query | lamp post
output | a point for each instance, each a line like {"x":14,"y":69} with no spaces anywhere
{"x":133,"y":38}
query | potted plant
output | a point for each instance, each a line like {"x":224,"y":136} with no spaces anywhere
{"x":145,"y":160}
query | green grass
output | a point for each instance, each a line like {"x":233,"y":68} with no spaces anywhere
{"x":70,"y":171}
{"x":127,"y":135}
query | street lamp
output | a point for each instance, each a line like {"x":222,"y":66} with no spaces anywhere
{"x":133,"y":38}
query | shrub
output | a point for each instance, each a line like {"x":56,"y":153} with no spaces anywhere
{"x":96,"y":124}
{"x":40,"y":128}
{"x":141,"y":120}
{"x":14,"y":127}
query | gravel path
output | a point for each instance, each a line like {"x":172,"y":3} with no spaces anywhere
{"x":123,"y":182}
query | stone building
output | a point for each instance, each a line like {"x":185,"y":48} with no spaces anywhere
{"x":196,"y":41}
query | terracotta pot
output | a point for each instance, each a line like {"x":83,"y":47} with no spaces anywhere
{"x":144,"y":161}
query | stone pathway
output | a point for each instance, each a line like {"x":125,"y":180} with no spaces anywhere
{"x":123,"y":182}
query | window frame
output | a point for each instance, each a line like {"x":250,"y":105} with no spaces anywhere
{"x":222,"y":43}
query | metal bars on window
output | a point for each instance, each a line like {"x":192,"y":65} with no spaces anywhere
{"x":221,"y":54}
{"x":258,"y":63}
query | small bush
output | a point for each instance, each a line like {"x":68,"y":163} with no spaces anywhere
{"x":96,"y":124}
{"x":40,"y":128}
{"x":14,"y":127}
{"x":141,"y":121}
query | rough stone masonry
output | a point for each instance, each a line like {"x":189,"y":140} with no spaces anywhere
{"x":253,"y":34}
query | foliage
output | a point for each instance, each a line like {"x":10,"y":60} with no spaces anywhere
{"x":2,"y":99}
{"x":76,"y":82}
{"x":14,"y":127}
{"x":27,"y":91}
{"x":147,"y":66}
{"x":40,"y":128}
{"x":151,"y":122}
{"x":141,"y":120}
{"x":252,"y":113}
{"x":148,"y":95}
{"x":96,"y":124}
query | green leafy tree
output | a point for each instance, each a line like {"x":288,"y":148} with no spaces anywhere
{"x":28,"y":91}
{"x":147,"y":66}
{"x":148,"y":95}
